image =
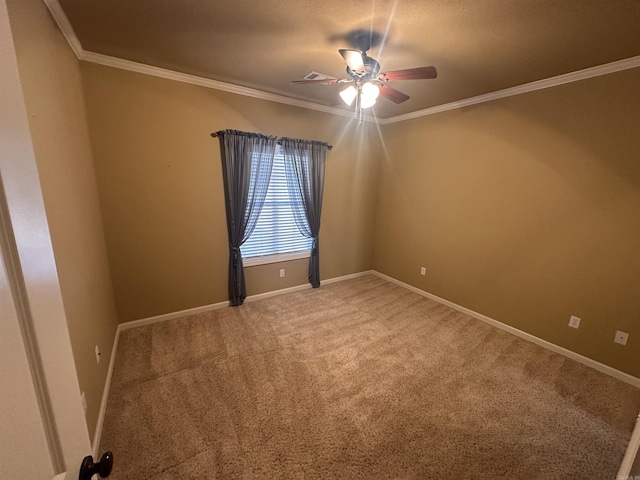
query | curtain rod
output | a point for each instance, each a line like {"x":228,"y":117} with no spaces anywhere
{"x":329,"y":147}
{"x":279,"y":141}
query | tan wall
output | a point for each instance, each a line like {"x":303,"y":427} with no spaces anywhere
{"x":525,"y":209}
{"x":160,"y":181}
{"x":52,"y":87}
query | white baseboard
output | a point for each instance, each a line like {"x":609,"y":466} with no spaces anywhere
{"x":297,"y":288}
{"x":306,"y":286}
{"x":105,"y":397}
{"x":633,"y":449}
{"x":216,"y":306}
{"x":171,"y":316}
{"x":329,"y":281}
{"x":625,"y":377}
{"x":275,"y":293}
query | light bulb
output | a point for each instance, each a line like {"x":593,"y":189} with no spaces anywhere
{"x":369,"y":95}
{"x":349,"y":94}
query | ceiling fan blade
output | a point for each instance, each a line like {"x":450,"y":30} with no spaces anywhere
{"x":392,"y":94}
{"x":353,"y":59}
{"x":420,"y":73}
{"x":325,"y":81}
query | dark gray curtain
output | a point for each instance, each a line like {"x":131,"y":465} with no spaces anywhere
{"x":304,"y":164}
{"x":247,"y":159}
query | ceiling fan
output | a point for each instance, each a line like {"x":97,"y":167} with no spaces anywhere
{"x":367,"y":82}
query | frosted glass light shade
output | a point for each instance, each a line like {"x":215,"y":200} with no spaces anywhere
{"x":370,"y":93}
{"x":349,"y":94}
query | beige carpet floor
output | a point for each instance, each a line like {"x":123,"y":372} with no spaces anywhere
{"x":357,"y":379}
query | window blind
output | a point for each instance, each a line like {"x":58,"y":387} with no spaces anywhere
{"x":276,"y":234}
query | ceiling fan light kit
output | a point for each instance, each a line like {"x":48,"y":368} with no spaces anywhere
{"x":369,"y":94}
{"x":367,"y":81}
{"x":349,"y":94}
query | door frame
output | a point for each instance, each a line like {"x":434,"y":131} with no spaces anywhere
{"x":33,"y":276}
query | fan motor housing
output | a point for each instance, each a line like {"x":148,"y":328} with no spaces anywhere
{"x":371,"y":67}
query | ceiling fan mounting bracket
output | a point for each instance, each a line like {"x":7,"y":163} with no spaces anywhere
{"x":363,"y":41}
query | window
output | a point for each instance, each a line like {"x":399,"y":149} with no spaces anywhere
{"x":276,"y":236}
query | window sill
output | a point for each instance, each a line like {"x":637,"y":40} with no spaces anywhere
{"x":281,"y":257}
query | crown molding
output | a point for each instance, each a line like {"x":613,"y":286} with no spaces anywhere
{"x":65,"y":26}
{"x":576,"y":76}
{"x":98,"y":58}
{"x":206,"y":82}
{"x":67,"y":31}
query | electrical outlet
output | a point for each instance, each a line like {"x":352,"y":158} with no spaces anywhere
{"x":574,"y":321}
{"x":83,"y":399}
{"x":97,"y":354}
{"x":281,"y":272}
{"x":621,"y":337}
{"x":423,"y":271}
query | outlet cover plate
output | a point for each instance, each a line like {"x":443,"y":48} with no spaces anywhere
{"x":621,"y":337}
{"x":423,"y":271}
{"x":281,"y":272}
{"x":574,"y":321}
{"x":97,"y":354}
